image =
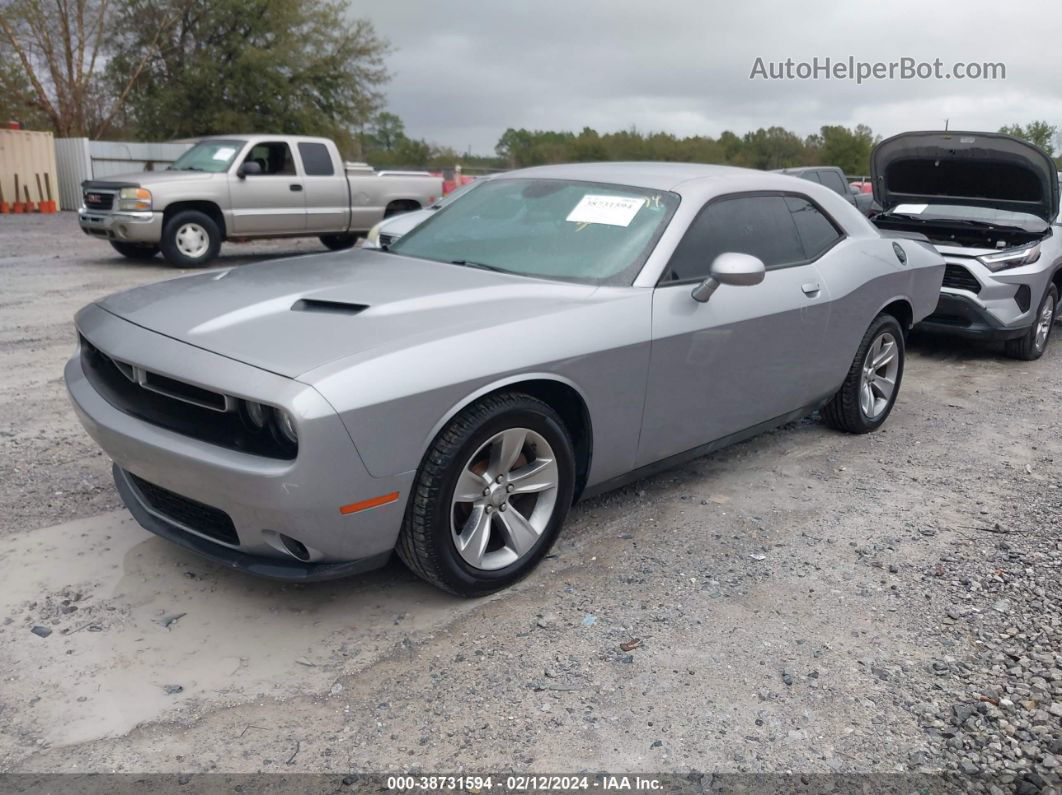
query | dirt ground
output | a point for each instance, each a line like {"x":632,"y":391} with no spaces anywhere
{"x":791,"y":597}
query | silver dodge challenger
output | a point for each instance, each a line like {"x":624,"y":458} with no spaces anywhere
{"x":557,"y":332}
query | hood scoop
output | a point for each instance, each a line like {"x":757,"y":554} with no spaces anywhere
{"x":327,"y":307}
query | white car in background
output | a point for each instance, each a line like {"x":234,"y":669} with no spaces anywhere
{"x":390,"y":229}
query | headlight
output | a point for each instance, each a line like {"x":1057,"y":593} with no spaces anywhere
{"x":372,"y":240}
{"x":1011,"y":258}
{"x":256,"y":414}
{"x":134,"y":199}
{"x":285,"y":425}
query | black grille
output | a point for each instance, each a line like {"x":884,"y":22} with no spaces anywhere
{"x":98,"y":200}
{"x":193,"y":515}
{"x":159,"y":405}
{"x":961,"y":279}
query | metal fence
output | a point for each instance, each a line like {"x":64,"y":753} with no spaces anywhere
{"x":79,"y":159}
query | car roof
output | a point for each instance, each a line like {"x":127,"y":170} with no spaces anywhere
{"x":657,"y":175}
{"x":806,"y":169}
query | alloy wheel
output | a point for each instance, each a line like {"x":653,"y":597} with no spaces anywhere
{"x":880,"y":368}
{"x":1043,"y":323}
{"x":504,"y":499}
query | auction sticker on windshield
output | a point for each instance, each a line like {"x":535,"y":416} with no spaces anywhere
{"x":611,"y":210}
{"x":224,"y":153}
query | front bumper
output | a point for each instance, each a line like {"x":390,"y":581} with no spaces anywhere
{"x":963,"y":316}
{"x":266,"y":499}
{"x":132,"y":227}
{"x":271,"y":568}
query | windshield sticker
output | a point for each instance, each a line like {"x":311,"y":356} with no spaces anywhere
{"x":910,"y":209}
{"x":224,"y":153}
{"x":611,"y":210}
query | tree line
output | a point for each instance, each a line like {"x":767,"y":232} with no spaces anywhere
{"x":171,"y":69}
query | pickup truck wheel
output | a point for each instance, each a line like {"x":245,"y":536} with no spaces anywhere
{"x":1032,"y":345}
{"x":190,"y":239}
{"x":338,"y":242}
{"x":135,"y":250}
{"x":868,"y":394}
{"x":490,"y":496}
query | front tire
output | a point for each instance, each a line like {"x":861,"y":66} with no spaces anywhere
{"x":490,"y":496}
{"x":869,"y":392}
{"x":338,"y":242}
{"x":135,"y":250}
{"x":190,"y":239}
{"x":1032,"y":345}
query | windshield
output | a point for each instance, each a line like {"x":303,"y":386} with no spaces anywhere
{"x":214,"y":156}
{"x":554,"y":229}
{"x":960,"y":212}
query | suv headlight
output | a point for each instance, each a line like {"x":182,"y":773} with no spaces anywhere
{"x":1011,"y":258}
{"x":372,"y":240}
{"x":134,"y":199}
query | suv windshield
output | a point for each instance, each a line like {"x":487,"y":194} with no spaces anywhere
{"x":554,"y":229}
{"x":214,"y":156}
{"x":961,"y":213}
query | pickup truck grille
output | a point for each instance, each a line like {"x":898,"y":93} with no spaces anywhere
{"x":98,"y":199}
{"x":956,"y":276}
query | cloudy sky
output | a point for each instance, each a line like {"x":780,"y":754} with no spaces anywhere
{"x":464,"y":71}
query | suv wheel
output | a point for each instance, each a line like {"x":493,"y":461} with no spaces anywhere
{"x":868,"y":394}
{"x":1032,"y":345}
{"x":135,"y":250}
{"x":490,"y":497}
{"x":190,"y":239}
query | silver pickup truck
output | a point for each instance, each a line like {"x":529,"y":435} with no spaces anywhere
{"x":240,"y":187}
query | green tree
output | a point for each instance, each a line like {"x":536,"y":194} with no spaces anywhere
{"x":774,"y":147}
{"x":290,"y":66}
{"x":386,"y":131}
{"x":835,"y":145}
{"x":1038,"y":132}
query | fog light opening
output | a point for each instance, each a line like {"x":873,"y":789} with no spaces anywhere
{"x":295,"y":548}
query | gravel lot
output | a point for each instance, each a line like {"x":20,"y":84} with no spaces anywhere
{"x":806,"y":601}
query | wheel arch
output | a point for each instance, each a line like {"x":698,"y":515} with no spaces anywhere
{"x":401,"y":205}
{"x":206,"y":207}
{"x":901,"y":309}
{"x":561,"y":394}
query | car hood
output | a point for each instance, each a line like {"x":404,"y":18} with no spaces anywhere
{"x":400,"y":224}
{"x":293,"y":316}
{"x":967,"y":168}
{"x":146,"y":178}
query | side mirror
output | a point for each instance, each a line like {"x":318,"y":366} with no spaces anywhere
{"x":249,"y":167}
{"x":854,"y":189}
{"x":737,"y":270}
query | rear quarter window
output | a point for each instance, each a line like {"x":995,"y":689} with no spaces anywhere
{"x":316,"y":160}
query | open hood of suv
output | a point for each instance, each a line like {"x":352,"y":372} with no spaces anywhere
{"x":968,"y":168}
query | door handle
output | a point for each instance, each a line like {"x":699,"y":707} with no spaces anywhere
{"x":811,"y":289}
{"x":295,"y":187}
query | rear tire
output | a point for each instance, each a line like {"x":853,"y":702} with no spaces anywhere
{"x":477,"y":522}
{"x":869,"y":392}
{"x":1032,"y":345}
{"x":135,"y":250}
{"x":338,"y":242}
{"x":190,"y":239}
